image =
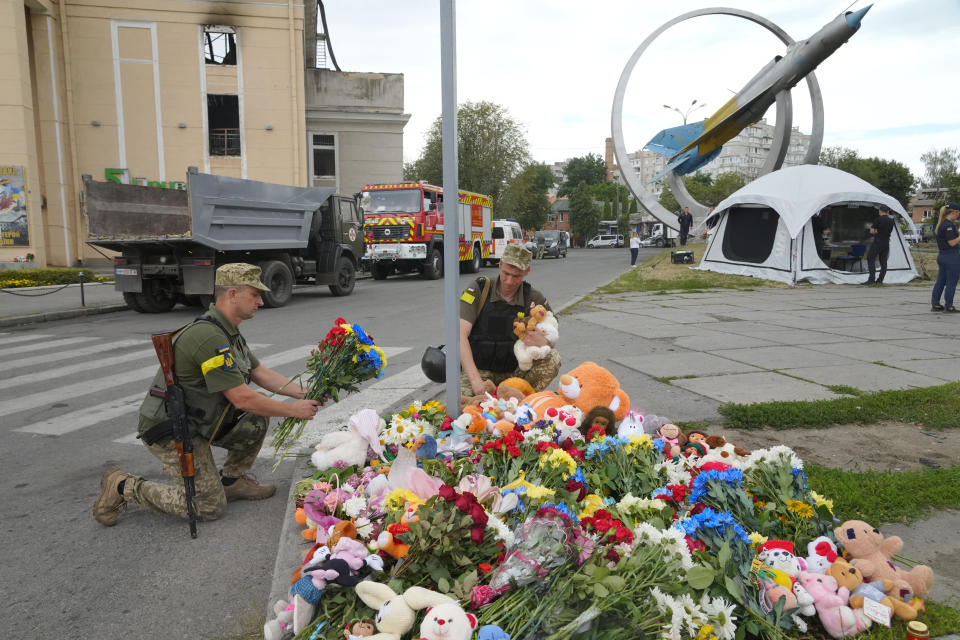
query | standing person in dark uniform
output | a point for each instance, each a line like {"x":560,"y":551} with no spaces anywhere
{"x":486,"y":334}
{"x":686,"y":221}
{"x":948,"y":260}
{"x":214,"y":365}
{"x":881,"y":229}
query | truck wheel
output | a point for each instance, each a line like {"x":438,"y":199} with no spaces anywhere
{"x":474,"y":265}
{"x":346,"y":278}
{"x":380,"y":270}
{"x":156,"y":298}
{"x":278,"y":277}
{"x":433,"y":268}
{"x":659,"y":243}
{"x":132,"y":300}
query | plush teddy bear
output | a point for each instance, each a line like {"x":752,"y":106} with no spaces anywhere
{"x":586,"y":386}
{"x":514,"y":388}
{"x":447,"y":622}
{"x":850,"y":577}
{"x":723,"y":451}
{"x":779,"y":556}
{"x":540,"y":320}
{"x":395,"y":612}
{"x":830,"y":600}
{"x":351,"y":445}
{"x":871,"y":553}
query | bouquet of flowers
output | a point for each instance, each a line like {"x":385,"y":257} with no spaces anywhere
{"x":344,"y":358}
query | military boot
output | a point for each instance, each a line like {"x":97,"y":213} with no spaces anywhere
{"x":246,"y":487}
{"x":110,"y":502}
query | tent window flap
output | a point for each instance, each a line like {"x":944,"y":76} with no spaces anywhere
{"x":750,"y":234}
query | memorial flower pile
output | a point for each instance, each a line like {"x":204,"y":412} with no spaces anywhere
{"x":549,"y":535}
{"x":344,"y":358}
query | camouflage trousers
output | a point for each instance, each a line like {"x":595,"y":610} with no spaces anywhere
{"x":539,"y":376}
{"x":242,"y":443}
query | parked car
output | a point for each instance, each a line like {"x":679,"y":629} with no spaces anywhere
{"x":912,"y":237}
{"x":604,"y":240}
{"x":553,"y":243}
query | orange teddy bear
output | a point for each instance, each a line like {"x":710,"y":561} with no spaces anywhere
{"x":586,"y":386}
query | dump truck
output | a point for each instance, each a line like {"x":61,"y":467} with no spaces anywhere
{"x":171,"y":241}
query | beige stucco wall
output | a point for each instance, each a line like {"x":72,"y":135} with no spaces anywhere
{"x":111,"y":105}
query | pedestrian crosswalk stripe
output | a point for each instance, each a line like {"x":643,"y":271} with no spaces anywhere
{"x":87,"y":366}
{"x":9,"y":365}
{"x":24,"y":337}
{"x":76,"y":420}
{"x":24,"y":348}
{"x":88,"y":416}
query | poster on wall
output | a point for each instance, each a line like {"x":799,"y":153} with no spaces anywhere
{"x":13,"y":208}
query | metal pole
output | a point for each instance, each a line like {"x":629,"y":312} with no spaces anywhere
{"x":83,"y":301}
{"x":451,"y":200}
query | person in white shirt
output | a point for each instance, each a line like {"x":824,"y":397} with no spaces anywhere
{"x":634,"y":247}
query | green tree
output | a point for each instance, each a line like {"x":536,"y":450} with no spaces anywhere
{"x":704,"y":189}
{"x":668,"y":201}
{"x":590,"y":169}
{"x":584,"y":214}
{"x":940,"y":165}
{"x":491,"y":149}
{"x":607,"y":209}
{"x":724,"y":185}
{"x":890,"y":176}
{"x":526,"y":197}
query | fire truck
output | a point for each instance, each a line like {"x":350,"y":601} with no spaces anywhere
{"x":403,"y":228}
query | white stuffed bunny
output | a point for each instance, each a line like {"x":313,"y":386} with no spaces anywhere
{"x":550,"y":328}
{"x":396,"y":613}
{"x":350,"y":445}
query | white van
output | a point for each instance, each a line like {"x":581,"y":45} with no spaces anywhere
{"x":605,"y":240}
{"x":504,"y":232}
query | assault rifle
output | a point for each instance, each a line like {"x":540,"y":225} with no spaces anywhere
{"x":177,"y":414}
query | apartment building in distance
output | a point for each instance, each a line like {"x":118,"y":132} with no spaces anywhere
{"x":138,"y":91}
{"x":747,"y":151}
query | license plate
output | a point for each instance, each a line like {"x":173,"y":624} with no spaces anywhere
{"x":124,"y":272}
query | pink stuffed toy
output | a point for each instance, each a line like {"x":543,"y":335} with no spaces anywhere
{"x":837,"y":618}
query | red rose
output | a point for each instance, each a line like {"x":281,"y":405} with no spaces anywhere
{"x":576,"y":487}
{"x":484,"y":567}
{"x":447,"y":492}
{"x":612,"y":556}
{"x":477,"y":533}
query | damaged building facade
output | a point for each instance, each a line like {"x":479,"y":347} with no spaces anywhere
{"x":134,"y":92}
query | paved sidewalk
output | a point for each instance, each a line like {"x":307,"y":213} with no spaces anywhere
{"x":30,"y":305}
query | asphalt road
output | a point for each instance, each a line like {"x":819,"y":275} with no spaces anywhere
{"x":70,"y":391}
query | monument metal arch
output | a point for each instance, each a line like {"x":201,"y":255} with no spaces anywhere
{"x":782,"y":131}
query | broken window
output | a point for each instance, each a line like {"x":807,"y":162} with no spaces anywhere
{"x":220,"y":45}
{"x":324,"y":157}
{"x":223,"y":123}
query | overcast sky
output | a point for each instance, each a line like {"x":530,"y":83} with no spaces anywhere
{"x":893,"y":90}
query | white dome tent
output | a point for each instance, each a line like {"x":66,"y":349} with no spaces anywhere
{"x":764,"y":229}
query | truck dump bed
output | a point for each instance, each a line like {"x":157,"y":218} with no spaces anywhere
{"x":226,"y":214}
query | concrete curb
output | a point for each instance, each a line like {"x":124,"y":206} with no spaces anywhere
{"x":50,"y":316}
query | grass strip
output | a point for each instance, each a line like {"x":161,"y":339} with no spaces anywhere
{"x":940,"y":618}
{"x":886,"y":496}
{"x":658,"y":274}
{"x":935,"y":407}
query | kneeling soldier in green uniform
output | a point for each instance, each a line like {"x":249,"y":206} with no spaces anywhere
{"x":214,"y":365}
{"x":486,"y":328}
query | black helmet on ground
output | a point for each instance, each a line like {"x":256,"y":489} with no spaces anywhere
{"x":434,"y":364}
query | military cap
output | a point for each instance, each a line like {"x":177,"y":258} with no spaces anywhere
{"x":955,"y":206}
{"x":238,"y":274}
{"x":517,"y":256}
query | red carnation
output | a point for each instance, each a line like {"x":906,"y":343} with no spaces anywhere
{"x":513,"y":451}
{"x":596,"y":432}
{"x":695,"y":545}
{"x":713,"y":466}
{"x":612,"y":556}
{"x":398,"y":528}
{"x":545,"y":446}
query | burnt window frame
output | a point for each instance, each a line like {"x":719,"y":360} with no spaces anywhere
{"x":213,"y":32}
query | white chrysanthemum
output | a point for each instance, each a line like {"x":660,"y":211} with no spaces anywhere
{"x":676,"y":473}
{"x":675,"y":544}
{"x":777,"y":455}
{"x":633,"y":505}
{"x":534,"y":436}
{"x":693,"y":616}
{"x":500,"y":530}
{"x":647,"y":535}
{"x":720,"y":613}
{"x":401,"y":431}
{"x":349,"y":488}
{"x":364,"y":528}
{"x":354,"y":506}
{"x":662,"y":600}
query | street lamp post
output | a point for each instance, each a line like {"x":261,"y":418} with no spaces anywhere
{"x":684,"y":114}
